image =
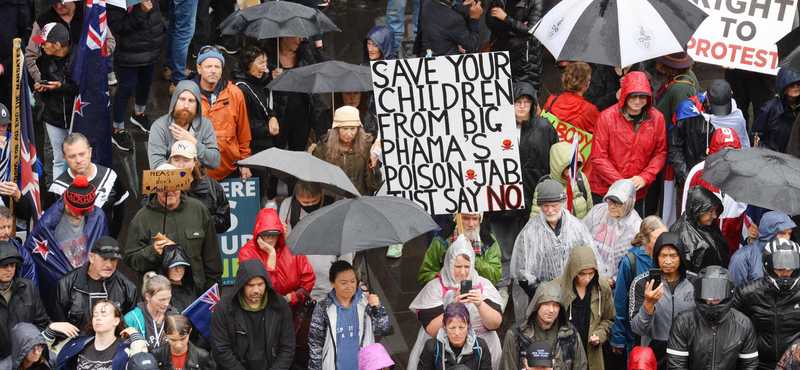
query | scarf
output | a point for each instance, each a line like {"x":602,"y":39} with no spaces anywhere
{"x":246,"y":307}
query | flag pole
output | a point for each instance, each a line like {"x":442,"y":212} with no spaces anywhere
{"x":16,"y":115}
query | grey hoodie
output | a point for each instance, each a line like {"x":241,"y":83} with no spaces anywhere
{"x":24,"y":336}
{"x":161,"y":140}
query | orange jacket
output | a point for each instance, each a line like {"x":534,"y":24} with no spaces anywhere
{"x":229,"y":117}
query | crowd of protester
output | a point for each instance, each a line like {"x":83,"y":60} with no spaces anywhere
{"x":597,"y":281}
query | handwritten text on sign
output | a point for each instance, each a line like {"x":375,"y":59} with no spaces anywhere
{"x":742,"y":33}
{"x":448,"y":132}
{"x":157,"y":181}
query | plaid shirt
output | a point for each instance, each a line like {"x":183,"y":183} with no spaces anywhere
{"x":477,"y":244}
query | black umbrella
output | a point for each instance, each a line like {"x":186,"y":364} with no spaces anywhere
{"x":618,"y":32}
{"x":288,"y":165}
{"x":757,"y":176}
{"x":359,"y":224}
{"x":326,"y":77}
{"x":788,"y":51}
{"x":277,"y":19}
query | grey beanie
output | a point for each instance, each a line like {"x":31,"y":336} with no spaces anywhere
{"x":550,"y":191}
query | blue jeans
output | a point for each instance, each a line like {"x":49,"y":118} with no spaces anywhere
{"x":56,"y":136}
{"x":180,"y":30}
{"x":396,"y":18}
{"x":138,"y":79}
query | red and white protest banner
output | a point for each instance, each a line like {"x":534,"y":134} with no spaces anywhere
{"x":742,"y":33}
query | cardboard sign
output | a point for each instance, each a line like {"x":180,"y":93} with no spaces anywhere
{"x":566,"y":132}
{"x":742,"y":34}
{"x":245,"y":202}
{"x":158,"y":181}
{"x":448,"y":132}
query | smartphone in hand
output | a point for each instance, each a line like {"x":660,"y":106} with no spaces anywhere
{"x":466,"y":286}
{"x":655,"y":274}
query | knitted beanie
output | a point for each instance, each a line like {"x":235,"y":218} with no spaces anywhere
{"x":80,"y":196}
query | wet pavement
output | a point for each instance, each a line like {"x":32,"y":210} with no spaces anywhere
{"x":395,"y":281}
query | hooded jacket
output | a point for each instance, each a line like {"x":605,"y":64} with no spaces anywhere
{"x":189,"y":225}
{"x":230,"y":342}
{"x":604,"y":85}
{"x":259,"y":112}
{"x":696,"y":343}
{"x":746,"y":262}
{"x":601,"y":304}
{"x":613,"y":236}
{"x":209,"y":192}
{"x":145,"y":324}
{"x":568,"y":353}
{"x":690,"y":137}
{"x":574,"y":109}
{"x":540,"y":255}
{"x":73,"y":301}
{"x":775,"y":314}
{"x":619,"y":152}
{"x":292,"y":274}
{"x":196,"y":358}
{"x":228,"y":115}
{"x":161,"y":139}
{"x":140,"y":35}
{"x":438,"y":353}
{"x":487,"y":264}
{"x":68,"y":351}
{"x":322,"y":344}
{"x":537,"y":136}
{"x":654,"y":328}
{"x":622,"y":335}
{"x":775,"y":120}
{"x":190,"y":288}
{"x":25,"y":304}
{"x":512,"y":35}
{"x":24,"y":336}
{"x":731,"y":220}
{"x":706,"y":246}
{"x":642,"y":358}
{"x":560,"y":157}
{"x":384,"y":39}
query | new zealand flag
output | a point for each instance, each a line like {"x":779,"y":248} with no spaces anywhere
{"x":91,"y":112}
{"x":200,"y":311}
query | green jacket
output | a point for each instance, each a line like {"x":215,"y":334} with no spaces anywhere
{"x":560,"y":155}
{"x":188,"y":225}
{"x":675,"y":95}
{"x":488,"y":264}
{"x":356,"y":167}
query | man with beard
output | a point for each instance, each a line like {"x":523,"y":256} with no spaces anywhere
{"x":487,"y":251}
{"x":20,"y":302}
{"x":544,"y":244}
{"x":184,"y":121}
{"x":252,"y":329}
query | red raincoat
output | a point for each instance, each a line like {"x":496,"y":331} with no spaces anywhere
{"x":618,"y":152}
{"x":292,"y":274}
{"x":642,"y":358}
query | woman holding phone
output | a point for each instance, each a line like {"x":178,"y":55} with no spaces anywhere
{"x":478,"y":294}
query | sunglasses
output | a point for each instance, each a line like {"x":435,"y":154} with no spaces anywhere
{"x":208,"y":49}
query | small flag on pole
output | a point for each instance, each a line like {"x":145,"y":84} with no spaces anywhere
{"x":573,"y":173}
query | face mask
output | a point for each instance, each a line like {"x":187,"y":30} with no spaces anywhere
{"x":313,"y":207}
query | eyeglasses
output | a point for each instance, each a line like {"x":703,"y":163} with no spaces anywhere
{"x":523,"y":102}
{"x":612,"y":203}
{"x":36,"y":349}
{"x":638,"y":97}
{"x":208,"y":49}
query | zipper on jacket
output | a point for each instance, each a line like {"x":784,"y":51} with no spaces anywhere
{"x":775,"y":324}
{"x":734,"y":347}
{"x":714,"y":348}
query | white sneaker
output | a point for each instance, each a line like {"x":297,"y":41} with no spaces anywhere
{"x":112,"y":79}
{"x":503,"y":300}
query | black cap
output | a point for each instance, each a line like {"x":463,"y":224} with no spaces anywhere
{"x":142,"y":361}
{"x":10,"y":253}
{"x":5,"y":116}
{"x":539,"y":354}
{"x":720,"y":95}
{"x":107,"y":247}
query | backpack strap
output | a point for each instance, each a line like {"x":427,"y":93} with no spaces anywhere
{"x":632,"y":260}
{"x":551,"y":103}
{"x":436,"y":359}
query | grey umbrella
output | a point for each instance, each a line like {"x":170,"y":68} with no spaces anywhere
{"x":287,"y":165}
{"x":359,"y":224}
{"x":757,"y":176}
{"x":326,"y":77}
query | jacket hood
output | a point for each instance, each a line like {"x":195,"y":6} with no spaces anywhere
{"x":581,"y":258}
{"x":24,"y":336}
{"x":459,"y":247}
{"x":771,"y":224}
{"x":174,"y":254}
{"x":635,"y":82}
{"x":384,"y":38}
{"x":546,"y":292}
{"x":8,"y":250}
{"x":524,"y":88}
{"x":785,"y":78}
{"x":560,"y":156}
{"x":625,"y":192}
{"x":249,"y":269}
{"x":642,"y":358}
{"x":192,"y":87}
{"x":266,"y":220}
{"x":723,"y":138}
{"x":699,"y":201}
{"x":670,"y":239}
{"x":466,"y":349}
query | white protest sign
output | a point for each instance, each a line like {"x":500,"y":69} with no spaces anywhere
{"x":448,"y":132}
{"x":742,"y":33}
